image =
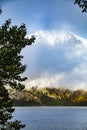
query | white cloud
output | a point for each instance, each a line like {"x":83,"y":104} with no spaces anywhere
{"x":52,"y":37}
{"x":45,"y":81}
{"x":60,"y":36}
{"x":61,"y":55}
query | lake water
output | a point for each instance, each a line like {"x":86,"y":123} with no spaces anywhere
{"x":52,"y":118}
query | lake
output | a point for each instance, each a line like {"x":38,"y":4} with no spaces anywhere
{"x":52,"y":118}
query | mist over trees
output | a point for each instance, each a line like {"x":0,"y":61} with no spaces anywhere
{"x":49,"y":97}
{"x":12,"y":41}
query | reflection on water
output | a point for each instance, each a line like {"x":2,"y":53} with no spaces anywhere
{"x":52,"y":118}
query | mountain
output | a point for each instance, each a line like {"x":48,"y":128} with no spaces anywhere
{"x":56,"y":37}
{"x":49,"y":97}
{"x":58,"y":58}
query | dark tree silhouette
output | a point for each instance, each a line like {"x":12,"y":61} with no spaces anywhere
{"x":12,"y":41}
{"x":82,"y":4}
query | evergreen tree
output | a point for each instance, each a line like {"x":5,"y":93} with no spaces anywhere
{"x":12,"y":41}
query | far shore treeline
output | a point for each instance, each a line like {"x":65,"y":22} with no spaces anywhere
{"x":49,"y":97}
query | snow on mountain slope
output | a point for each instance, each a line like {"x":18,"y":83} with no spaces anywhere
{"x":56,"y":37}
{"x":58,"y":58}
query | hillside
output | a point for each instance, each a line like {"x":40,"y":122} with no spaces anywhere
{"x":49,"y":97}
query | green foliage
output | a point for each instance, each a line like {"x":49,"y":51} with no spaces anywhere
{"x":49,"y":97}
{"x":12,"y":41}
{"x":82,"y":4}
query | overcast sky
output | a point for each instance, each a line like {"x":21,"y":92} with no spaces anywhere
{"x":58,"y":55}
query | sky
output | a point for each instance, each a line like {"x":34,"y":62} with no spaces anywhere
{"x":45,"y":14}
{"x":58,"y":56}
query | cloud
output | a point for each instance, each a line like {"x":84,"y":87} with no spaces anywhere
{"x":56,"y":53}
{"x":58,"y":58}
{"x":44,"y":81}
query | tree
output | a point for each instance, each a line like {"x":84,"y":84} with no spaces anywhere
{"x":82,"y":4}
{"x":12,"y":41}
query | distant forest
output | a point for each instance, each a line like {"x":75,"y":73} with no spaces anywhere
{"x":49,"y":97}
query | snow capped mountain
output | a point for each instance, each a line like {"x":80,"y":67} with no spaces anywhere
{"x":58,"y":58}
{"x":56,"y":37}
